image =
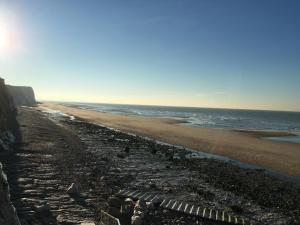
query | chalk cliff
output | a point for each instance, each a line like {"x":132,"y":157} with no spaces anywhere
{"x":8,"y":215}
{"x":23,"y":96}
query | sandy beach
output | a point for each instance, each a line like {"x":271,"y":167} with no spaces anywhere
{"x":243,"y":146}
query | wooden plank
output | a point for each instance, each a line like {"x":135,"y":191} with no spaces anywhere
{"x":180,"y":205}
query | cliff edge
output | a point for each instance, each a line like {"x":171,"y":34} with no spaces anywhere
{"x":23,"y":96}
{"x":8,"y":114}
{"x":8,"y":215}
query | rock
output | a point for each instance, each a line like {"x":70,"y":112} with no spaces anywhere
{"x":120,"y":156}
{"x":111,"y":138}
{"x":237,"y":209}
{"x":176,"y":157}
{"x":126,"y":149}
{"x":152,"y":184}
{"x":8,"y":213}
{"x":167,"y":190}
{"x":87,"y":223}
{"x":25,"y":180}
{"x":136,"y":220}
{"x":62,"y":221}
{"x":115,"y":202}
{"x":140,"y":205}
{"x":114,"y":211}
{"x":116,"y":170}
{"x":45,"y":208}
{"x":24,"y":222}
{"x":138,"y":214}
{"x":127,"y":207}
{"x":150,"y":205}
{"x":73,"y":189}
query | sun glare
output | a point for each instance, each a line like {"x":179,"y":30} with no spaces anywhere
{"x":3,"y":39}
{"x":10,"y":34}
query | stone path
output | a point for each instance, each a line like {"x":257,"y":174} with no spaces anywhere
{"x":38,"y":190}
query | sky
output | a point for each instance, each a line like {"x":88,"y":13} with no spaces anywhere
{"x":201,"y":53}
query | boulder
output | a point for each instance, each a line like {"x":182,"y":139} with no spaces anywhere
{"x":115,"y":202}
{"x":127,"y":207}
{"x":114,"y":211}
{"x":8,"y":215}
{"x":126,"y":149}
{"x":42,"y":209}
{"x":62,"y":221}
{"x":136,"y":220}
{"x":138,"y":213}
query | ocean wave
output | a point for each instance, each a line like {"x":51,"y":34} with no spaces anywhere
{"x":204,"y":117}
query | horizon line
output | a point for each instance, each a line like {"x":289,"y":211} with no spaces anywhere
{"x":174,"y":106}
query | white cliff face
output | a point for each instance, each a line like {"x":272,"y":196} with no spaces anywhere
{"x":23,"y":96}
{"x":8,"y":215}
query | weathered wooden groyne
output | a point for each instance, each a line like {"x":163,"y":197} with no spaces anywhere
{"x":203,"y":213}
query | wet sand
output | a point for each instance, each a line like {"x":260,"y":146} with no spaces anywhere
{"x":244,"y":146}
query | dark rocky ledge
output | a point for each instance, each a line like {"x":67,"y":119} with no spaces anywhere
{"x":8,"y":126}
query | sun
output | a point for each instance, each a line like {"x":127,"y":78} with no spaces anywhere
{"x":3,"y":39}
{"x":11,"y":34}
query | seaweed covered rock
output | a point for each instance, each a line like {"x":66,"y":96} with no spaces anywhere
{"x":8,"y":213}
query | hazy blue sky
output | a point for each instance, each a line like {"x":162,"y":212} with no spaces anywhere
{"x":233,"y":54}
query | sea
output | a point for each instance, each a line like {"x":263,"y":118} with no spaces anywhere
{"x":239,"y":119}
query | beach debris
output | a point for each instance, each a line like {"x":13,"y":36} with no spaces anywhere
{"x":73,"y":189}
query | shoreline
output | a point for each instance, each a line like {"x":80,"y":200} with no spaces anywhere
{"x":99,"y":163}
{"x":239,"y":145}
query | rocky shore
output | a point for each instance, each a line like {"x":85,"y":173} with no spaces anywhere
{"x":65,"y":171}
